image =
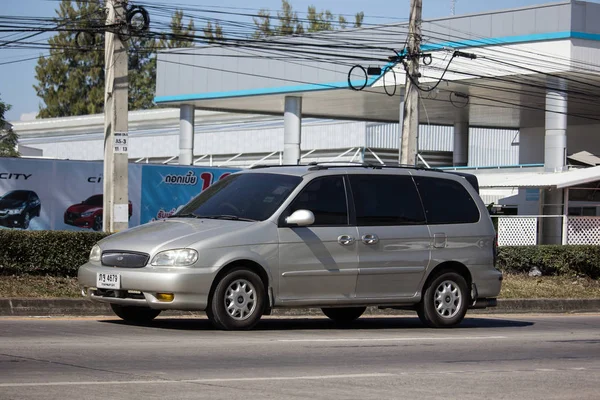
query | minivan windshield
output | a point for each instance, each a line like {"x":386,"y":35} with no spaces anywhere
{"x":249,"y":196}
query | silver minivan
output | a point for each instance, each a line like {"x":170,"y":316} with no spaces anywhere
{"x":337,"y":237}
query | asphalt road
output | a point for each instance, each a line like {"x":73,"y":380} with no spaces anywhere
{"x":500,"y":357}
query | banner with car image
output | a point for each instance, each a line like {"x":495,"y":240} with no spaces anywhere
{"x":40,"y":194}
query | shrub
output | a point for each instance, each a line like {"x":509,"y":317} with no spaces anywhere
{"x":56,"y":253}
{"x":61,"y":253}
{"x":551,"y":260}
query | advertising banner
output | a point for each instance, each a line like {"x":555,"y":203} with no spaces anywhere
{"x":165,"y":188}
{"x":38,"y":194}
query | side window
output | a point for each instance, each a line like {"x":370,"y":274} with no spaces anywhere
{"x":326,"y":198}
{"x":386,"y":200}
{"x":446,"y":201}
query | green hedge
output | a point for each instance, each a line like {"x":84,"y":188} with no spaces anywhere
{"x":56,"y":253}
{"x":60,"y":253}
{"x":551,"y":260}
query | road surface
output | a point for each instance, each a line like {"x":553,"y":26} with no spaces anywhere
{"x":488,"y":357}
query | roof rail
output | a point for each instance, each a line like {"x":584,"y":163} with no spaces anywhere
{"x":318,"y":166}
{"x":314,"y":166}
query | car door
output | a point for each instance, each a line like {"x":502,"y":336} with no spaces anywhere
{"x":394,"y":240}
{"x":320,"y":261}
{"x":453,"y":222}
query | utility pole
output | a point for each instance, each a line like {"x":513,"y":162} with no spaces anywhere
{"x":410,"y":114}
{"x":116,"y":202}
{"x":453,"y":7}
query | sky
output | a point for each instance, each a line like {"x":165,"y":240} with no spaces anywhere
{"x":17,"y":79}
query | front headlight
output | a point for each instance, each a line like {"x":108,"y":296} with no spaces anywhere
{"x":87,"y":214}
{"x":96,"y":253}
{"x":175,"y":258}
{"x":16,"y":211}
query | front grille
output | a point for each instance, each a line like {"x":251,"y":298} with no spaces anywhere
{"x":72,"y":216}
{"x":124,"y":259}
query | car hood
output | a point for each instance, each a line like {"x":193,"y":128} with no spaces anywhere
{"x":81,"y":208}
{"x":170,"y":234}
{"x":11,"y":204}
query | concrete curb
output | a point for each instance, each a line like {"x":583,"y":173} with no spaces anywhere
{"x":21,"y":307}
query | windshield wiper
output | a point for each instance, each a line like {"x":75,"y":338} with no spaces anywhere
{"x":184,"y":216}
{"x":228,"y":217}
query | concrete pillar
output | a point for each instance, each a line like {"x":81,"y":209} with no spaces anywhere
{"x":460,"y":154}
{"x":555,"y":143}
{"x":292,"y":127}
{"x":186,"y":134}
{"x":555,"y":157}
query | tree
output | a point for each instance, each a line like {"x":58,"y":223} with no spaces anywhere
{"x":179,"y":36}
{"x":263,"y":24}
{"x":8,"y":137}
{"x":71,"y":81}
{"x":212,"y":33}
{"x":319,"y":21}
{"x":290,"y":24}
{"x":358,"y":19}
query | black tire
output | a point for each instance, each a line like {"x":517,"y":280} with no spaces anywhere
{"x":238,"y":282}
{"x":26,"y":220}
{"x":454,"y":308}
{"x":97,"y":226}
{"x":136,"y":315}
{"x":344,"y":315}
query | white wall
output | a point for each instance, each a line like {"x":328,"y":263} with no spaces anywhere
{"x":531,"y":146}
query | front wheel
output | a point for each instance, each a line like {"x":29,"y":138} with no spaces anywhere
{"x":345,"y":314}
{"x":97,"y":226}
{"x":445,"y":301}
{"x":238,"y":301}
{"x":26,"y":221}
{"x":136,"y":315}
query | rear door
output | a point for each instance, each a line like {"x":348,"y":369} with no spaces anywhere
{"x":453,"y":218}
{"x":319,"y":262}
{"x":394,"y":241}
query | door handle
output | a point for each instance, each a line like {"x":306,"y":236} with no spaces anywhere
{"x":345,"y":240}
{"x":370,"y":239}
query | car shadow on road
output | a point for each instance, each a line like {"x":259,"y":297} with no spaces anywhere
{"x":320,"y":323}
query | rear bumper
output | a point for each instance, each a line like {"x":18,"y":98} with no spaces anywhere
{"x":483,"y":303}
{"x":139,"y":286}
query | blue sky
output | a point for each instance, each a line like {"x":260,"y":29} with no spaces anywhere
{"x":17,"y":79}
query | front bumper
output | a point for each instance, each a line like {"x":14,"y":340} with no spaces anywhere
{"x":11,"y":221}
{"x":81,"y":222}
{"x":139,"y":286}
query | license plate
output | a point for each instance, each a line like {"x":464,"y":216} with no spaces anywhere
{"x":108,"y":281}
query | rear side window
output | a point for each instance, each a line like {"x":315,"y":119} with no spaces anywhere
{"x":446,"y":201}
{"x":382,"y":200}
{"x":326,"y":198}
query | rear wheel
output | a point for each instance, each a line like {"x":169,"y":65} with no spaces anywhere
{"x":137,"y":315}
{"x":344,"y":315}
{"x":445,"y":301}
{"x":238,"y":301}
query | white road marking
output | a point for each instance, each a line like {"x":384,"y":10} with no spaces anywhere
{"x":545,"y":370}
{"x":399,"y":339}
{"x":208,"y":380}
{"x":261,"y":379}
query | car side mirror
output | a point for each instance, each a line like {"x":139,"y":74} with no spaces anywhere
{"x":301,"y":218}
